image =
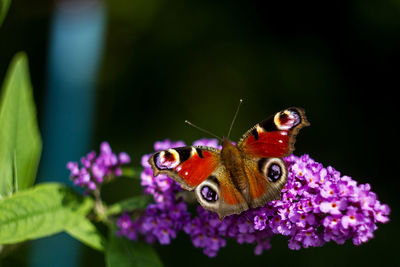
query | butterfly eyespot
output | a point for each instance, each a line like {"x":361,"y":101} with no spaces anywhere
{"x":167,"y":159}
{"x":209,"y":194}
{"x":274,"y":169}
{"x":287,"y":119}
{"x":274,"y":172}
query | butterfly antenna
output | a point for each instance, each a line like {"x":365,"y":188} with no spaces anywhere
{"x":203,"y":130}
{"x":234,"y":117}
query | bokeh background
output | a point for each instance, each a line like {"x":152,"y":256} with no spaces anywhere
{"x":131,"y":72}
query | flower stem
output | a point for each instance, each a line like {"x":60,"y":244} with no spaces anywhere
{"x":99,"y":208}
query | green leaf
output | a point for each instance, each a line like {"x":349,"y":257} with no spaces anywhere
{"x":121,"y":252}
{"x":4,"y":5}
{"x":20,"y":142}
{"x":83,"y":229}
{"x":137,"y":202}
{"x":40,"y":211}
{"x":87,"y":233}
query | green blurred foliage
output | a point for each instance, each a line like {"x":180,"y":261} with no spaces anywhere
{"x":4,"y":5}
{"x":167,"y":61}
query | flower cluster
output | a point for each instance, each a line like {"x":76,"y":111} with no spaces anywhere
{"x":161,"y":222}
{"x":317,"y":205}
{"x":167,"y":216}
{"x":96,"y":169}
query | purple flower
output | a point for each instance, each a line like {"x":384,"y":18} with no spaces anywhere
{"x":164,"y":234}
{"x":333,"y":207}
{"x":351,"y":219}
{"x":317,"y":205}
{"x":95,"y":169}
{"x":125,"y":225}
{"x":260,"y":221}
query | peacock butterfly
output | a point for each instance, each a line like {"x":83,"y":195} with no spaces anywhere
{"x":237,"y":177}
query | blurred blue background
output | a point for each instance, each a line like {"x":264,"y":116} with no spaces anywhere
{"x":131,"y":72}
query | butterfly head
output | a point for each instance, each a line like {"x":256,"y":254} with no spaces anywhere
{"x":228,"y":148}
{"x":226,"y":141}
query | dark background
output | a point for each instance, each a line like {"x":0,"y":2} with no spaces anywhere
{"x":167,"y":61}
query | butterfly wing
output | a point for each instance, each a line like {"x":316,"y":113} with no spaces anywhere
{"x":200,"y":169}
{"x":262,"y":148}
{"x":274,"y":136}
{"x":267,"y":177}
{"x":189,"y":166}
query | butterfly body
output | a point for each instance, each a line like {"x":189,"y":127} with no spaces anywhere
{"x":232,"y":159}
{"x":237,"y":177}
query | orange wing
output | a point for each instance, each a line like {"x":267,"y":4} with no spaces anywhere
{"x":189,"y":166}
{"x":267,"y":177}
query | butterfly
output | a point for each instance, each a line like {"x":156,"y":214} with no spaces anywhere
{"x":237,"y":177}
